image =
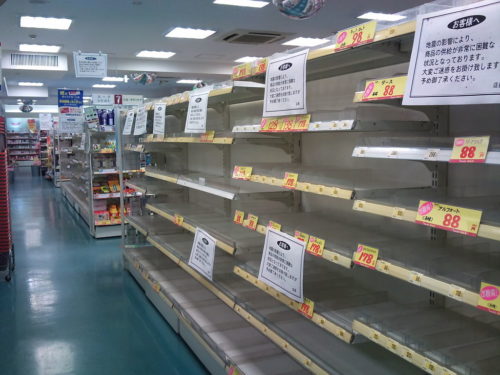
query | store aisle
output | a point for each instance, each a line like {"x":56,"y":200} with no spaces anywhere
{"x":70,"y":308}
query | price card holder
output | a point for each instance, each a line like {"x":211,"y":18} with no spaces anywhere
{"x":489,"y":298}
{"x":307,"y":308}
{"x":274,"y":225}
{"x":242,"y":173}
{"x":304,"y":237}
{"x":252,"y":221}
{"x":290,"y":180}
{"x":242,"y":71}
{"x":298,"y":123}
{"x":356,"y":36}
{"x":470,"y":149}
{"x":208,"y":137}
{"x":451,"y":218}
{"x":315,"y":246}
{"x":385,"y":88}
{"x":178,"y":220}
{"x":366,"y":256}
{"x":260,"y":66}
{"x":239,"y":217}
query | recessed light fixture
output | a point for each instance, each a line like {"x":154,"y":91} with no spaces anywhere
{"x":46,"y":23}
{"x":306,"y":42}
{"x":243,"y":3}
{"x":247,"y":59}
{"x":189,"y":81}
{"x":188,"y":33}
{"x":39,"y":48}
{"x":113,"y":79}
{"x":103,"y":86}
{"x":381,"y":16}
{"x":156,"y":54}
{"x":32,"y":84}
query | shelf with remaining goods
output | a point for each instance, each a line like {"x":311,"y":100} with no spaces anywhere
{"x":403,"y":205}
{"x":219,"y":186}
{"x":337,"y":183}
{"x":432,"y":149}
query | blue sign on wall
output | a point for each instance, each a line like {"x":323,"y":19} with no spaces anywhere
{"x":69,"y":98}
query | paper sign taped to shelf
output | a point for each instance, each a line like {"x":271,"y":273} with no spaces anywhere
{"x":242,"y":173}
{"x":203,"y":253}
{"x":304,"y":237}
{"x":366,"y":256}
{"x":451,"y":218}
{"x":242,"y":71}
{"x":159,"y":119}
{"x":285,"y":92}
{"x":207,"y":137}
{"x":45,"y":120}
{"x":141,"y":121}
{"x":274,"y":225}
{"x":356,"y":36}
{"x":239,"y":217}
{"x":290,"y":180}
{"x":251,"y":222}
{"x":196,"y":120}
{"x":315,"y":246}
{"x":298,"y":123}
{"x":307,"y":308}
{"x":456,"y":56}
{"x":470,"y":149}
{"x":90,"y":65}
{"x":129,"y":121}
{"x":282,"y":264}
{"x":70,"y":120}
{"x":385,"y":88}
{"x":489,"y":298}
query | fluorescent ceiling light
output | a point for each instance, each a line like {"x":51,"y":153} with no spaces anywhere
{"x":11,"y":108}
{"x":381,"y":16}
{"x":188,"y":33}
{"x":247,"y":59}
{"x":103,"y":86}
{"x":46,"y":23}
{"x":243,"y":3}
{"x":306,"y":42}
{"x":33,"y":84}
{"x":38,"y":48}
{"x":189,"y":81}
{"x":113,"y":79}
{"x":156,"y":54}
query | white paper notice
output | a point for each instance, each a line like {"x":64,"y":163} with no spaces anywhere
{"x":456,"y":57}
{"x":282,"y":264}
{"x":90,"y":65}
{"x":141,"y":121}
{"x":103,"y":99}
{"x":159,"y":119}
{"x":196,"y":121}
{"x":45,"y":121}
{"x":71,"y":120}
{"x":131,"y":99}
{"x":285,"y":92}
{"x":129,"y":121}
{"x":203,"y":253}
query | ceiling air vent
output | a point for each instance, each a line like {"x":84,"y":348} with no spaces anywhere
{"x":253,"y":37}
{"x":35,"y":61}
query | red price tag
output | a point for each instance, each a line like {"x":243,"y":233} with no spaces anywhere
{"x":252,"y":221}
{"x":307,"y":308}
{"x":315,"y":246}
{"x":239,"y":217}
{"x":366,"y":256}
{"x":290,"y":180}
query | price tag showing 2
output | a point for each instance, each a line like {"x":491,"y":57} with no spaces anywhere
{"x":470,"y":150}
{"x":366,"y":256}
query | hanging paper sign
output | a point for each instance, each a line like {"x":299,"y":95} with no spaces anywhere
{"x":242,"y":173}
{"x":315,"y":246}
{"x":90,"y":65}
{"x":386,"y":88}
{"x":456,"y":56}
{"x":489,"y":298}
{"x":203,"y":253}
{"x":45,"y":120}
{"x":239,"y":217}
{"x":91,"y":117}
{"x":366,"y":256}
{"x":103,"y":99}
{"x":451,"y":218}
{"x":129,"y":121}
{"x":196,"y":121}
{"x":159,"y":119}
{"x":141,"y":121}
{"x":356,"y":36}
{"x":282,"y":264}
{"x":470,"y":149}
{"x":71,"y":120}
{"x":285,"y":92}
{"x":69,"y":98}
{"x":290,"y":180}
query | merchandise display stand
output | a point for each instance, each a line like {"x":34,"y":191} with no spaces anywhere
{"x":350,"y":178}
{"x":24,"y":149}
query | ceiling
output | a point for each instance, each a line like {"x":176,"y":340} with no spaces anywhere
{"x":121,"y":28}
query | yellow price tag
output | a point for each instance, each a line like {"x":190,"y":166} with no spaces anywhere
{"x":451,"y":218}
{"x":178,"y":220}
{"x":470,"y":149}
{"x":274,"y":225}
{"x":299,"y":123}
{"x":489,"y":298}
{"x":239,"y":217}
{"x":304,"y":237}
{"x":260,"y":66}
{"x":207,"y":137}
{"x":290,"y":180}
{"x":242,"y":71}
{"x":366,"y":256}
{"x":386,"y":88}
{"x":315,"y":246}
{"x":156,"y":287}
{"x":356,"y":36}
{"x":252,"y":221}
{"x":242,"y":173}
{"x":307,"y":308}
